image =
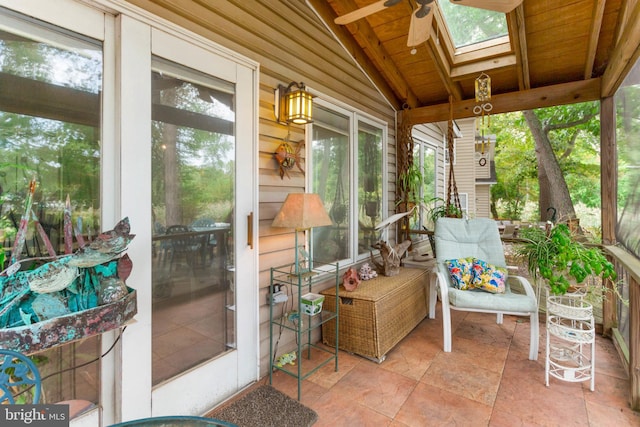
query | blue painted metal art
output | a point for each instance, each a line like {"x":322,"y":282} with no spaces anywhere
{"x":69,"y":298}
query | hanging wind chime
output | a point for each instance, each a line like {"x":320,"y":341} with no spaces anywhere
{"x":483,"y":109}
{"x":453,"y":208}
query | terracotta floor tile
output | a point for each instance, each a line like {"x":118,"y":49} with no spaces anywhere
{"x":483,"y":329}
{"x":338,"y":409}
{"x":411,"y":357}
{"x":604,"y":415}
{"x":476,"y":352}
{"x":374,"y":387}
{"x":464,"y":379}
{"x":327,"y":375}
{"x":611,"y":391}
{"x":431,"y":406}
{"x":487,"y":380}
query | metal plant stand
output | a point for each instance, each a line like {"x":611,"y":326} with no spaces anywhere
{"x":302,"y":325}
{"x":571,"y":344}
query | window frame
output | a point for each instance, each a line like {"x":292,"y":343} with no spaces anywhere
{"x":355,"y":116}
{"x":422,"y":141}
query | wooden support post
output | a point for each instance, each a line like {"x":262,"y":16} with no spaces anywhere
{"x":634,"y":345}
{"x":608,"y":195}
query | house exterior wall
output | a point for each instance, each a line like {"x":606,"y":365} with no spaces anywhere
{"x":465,"y":173}
{"x":483,"y":200}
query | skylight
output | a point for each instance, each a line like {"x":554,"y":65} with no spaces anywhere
{"x":470,"y":25}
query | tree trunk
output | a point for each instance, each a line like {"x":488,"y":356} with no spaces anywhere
{"x":559,"y":196}
{"x":172,"y":200}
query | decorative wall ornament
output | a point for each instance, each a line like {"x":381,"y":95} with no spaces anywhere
{"x":288,"y":157}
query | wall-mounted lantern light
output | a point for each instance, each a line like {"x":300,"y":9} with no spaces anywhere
{"x":293,"y":104}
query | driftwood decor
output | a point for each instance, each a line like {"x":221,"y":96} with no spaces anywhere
{"x":391,"y":257}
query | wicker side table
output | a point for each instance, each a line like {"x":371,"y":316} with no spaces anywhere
{"x":571,"y":347}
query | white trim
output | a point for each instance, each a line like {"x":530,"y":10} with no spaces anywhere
{"x":122,"y":6}
{"x":62,"y":13}
{"x":134,"y":191}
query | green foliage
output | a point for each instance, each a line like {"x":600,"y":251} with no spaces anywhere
{"x":559,"y":259}
{"x":576,"y":147}
{"x":440,"y":209}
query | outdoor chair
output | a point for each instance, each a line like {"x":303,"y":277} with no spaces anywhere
{"x":473,"y":251}
{"x":21,"y":383}
{"x":19,"y":378}
{"x":182,"y":245}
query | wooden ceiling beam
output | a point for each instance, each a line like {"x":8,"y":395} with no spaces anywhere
{"x":370,"y":43}
{"x":517,"y":30}
{"x":328,"y":15}
{"x":462,"y":72}
{"x":548,"y":96}
{"x":625,"y":53}
{"x":594,"y":35}
{"x":440,"y":58}
{"x":21,"y":95}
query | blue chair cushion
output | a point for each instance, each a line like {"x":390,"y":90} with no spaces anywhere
{"x":488,"y":277}
{"x":461,"y":272}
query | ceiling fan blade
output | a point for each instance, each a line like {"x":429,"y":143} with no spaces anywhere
{"x":350,"y":17}
{"x":419,"y":28}
{"x":504,"y":6}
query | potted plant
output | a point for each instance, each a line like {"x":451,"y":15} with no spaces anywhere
{"x":562,"y":261}
{"x":410,"y":182}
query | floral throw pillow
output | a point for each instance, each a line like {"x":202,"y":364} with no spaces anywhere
{"x":488,"y":277}
{"x":461,"y":272}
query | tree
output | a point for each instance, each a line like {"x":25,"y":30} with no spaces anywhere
{"x":558,"y":132}
{"x":563,"y":138}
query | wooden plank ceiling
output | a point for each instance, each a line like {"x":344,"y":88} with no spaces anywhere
{"x":559,"y":52}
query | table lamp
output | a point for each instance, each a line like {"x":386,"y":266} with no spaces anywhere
{"x":302,"y":211}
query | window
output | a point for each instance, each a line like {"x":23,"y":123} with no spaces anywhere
{"x":473,"y":26}
{"x":50,"y":113}
{"x":424,"y":154}
{"x":347,"y":171}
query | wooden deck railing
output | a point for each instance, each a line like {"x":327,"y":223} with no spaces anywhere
{"x":622,"y":322}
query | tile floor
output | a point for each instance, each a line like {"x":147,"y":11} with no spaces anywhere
{"x":487,"y":380}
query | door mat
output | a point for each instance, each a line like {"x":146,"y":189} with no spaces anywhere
{"x":266,"y":407}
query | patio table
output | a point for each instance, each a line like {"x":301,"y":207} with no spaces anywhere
{"x":175,"y":421}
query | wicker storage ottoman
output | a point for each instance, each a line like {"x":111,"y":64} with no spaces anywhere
{"x":377,"y":315}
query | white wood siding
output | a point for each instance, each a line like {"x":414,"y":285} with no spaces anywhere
{"x":483,"y":200}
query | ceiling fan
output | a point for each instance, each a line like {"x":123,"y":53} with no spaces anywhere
{"x":420,"y":25}
{"x":421,"y":18}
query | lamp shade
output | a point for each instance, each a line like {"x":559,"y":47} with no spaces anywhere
{"x":302,"y":211}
